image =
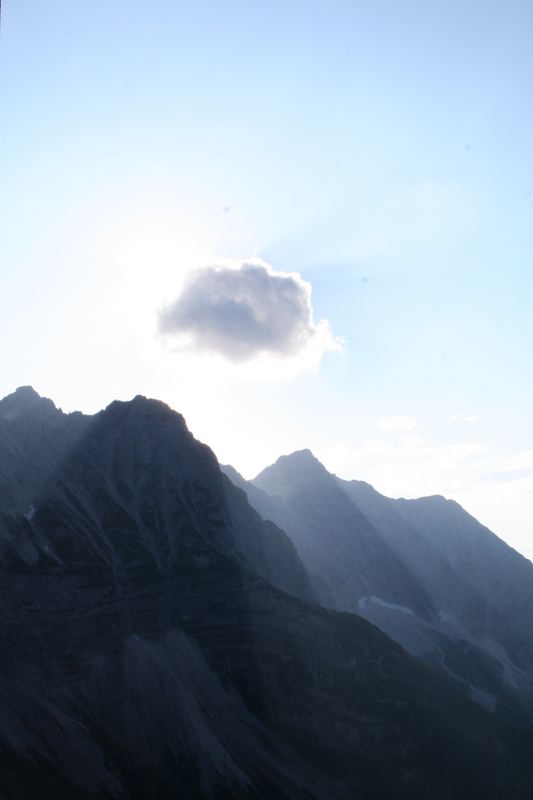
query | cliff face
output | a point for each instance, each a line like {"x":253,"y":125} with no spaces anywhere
{"x":160,"y":640}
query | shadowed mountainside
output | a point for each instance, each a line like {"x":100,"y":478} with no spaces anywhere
{"x":145,"y":656}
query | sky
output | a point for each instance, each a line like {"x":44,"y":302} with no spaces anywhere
{"x":300,"y":224}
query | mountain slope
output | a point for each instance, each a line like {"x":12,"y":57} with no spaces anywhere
{"x":134,"y":483}
{"x":343,"y":551}
{"x":460,"y":599}
{"x":34,"y":436}
{"x":479,"y":583}
{"x":144,"y":657}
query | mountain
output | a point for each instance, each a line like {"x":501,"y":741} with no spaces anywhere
{"x":424,"y":571}
{"x":146,"y":462}
{"x":476,"y":579}
{"x":34,"y":435}
{"x":159,"y":640}
{"x":344,"y":552}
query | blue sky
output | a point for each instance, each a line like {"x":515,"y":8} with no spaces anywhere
{"x":381,"y":151}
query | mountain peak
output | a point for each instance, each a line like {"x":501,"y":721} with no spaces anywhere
{"x":23,"y":401}
{"x":141,"y":407}
{"x":300,"y":467}
{"x":26,"y":391}
{"x":302,"y":459}
{"x":305,"y":454}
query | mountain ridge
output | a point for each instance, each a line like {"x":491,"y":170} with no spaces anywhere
{"x":476,"y":621}
{"x":143,"y":651}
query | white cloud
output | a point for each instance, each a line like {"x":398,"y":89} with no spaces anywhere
{"x":463,"y":418}
{"x":398,"y":424}
{"x":245,"y":310}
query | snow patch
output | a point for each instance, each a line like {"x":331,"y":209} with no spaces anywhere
{"x":482,"y":698}
{"x":444,"y":616}
{"x":378,"y":601}
{"x":29,"y":513}
{"x":509,"y":669}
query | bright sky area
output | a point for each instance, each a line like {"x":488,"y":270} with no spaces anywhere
{"x":374,"y":154}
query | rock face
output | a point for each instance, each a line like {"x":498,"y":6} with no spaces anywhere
{"x":34,"y":436}
{"x":481,"y":589}
{"x":129,"y":486}
{"x":159,"y":640}
{"x":424,"y":571}
{"x":346,"y":554}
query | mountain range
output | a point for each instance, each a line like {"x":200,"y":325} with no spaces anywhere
{"x":171,"y":630}
{"x":424,"y":571}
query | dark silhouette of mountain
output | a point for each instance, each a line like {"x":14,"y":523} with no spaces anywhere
{"x":460,"y":598}
{"x":147,"y":462}
{"x":34,"y":435}
{"x":159,"y":640}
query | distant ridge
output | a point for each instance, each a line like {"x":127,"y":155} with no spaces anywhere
{"x":424,"y":571}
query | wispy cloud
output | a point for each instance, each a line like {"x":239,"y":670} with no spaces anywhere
{"x":463,"y":418}
{"x":398,"y":424}
{"x":519,"y":462}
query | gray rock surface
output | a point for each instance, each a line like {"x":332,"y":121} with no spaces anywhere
{"x":146,"y":652}
{"x":424,"y":571}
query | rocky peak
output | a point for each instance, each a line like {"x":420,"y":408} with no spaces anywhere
{"x":297,"y":469}
{"x":142,"y":411}
{"x":25,"y":401}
